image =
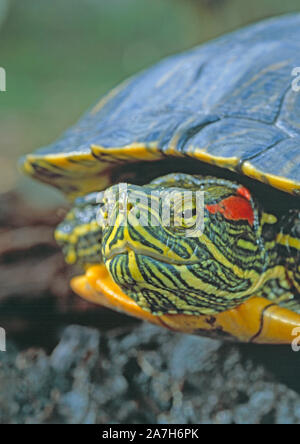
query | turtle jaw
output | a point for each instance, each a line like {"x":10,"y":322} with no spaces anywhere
{"x":127,"y":249}
{"x":161,"y":287}
{"x":146,"y":279}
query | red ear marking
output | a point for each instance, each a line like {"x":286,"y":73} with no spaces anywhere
{"x":234,"y":208}
{"x":242,"y":191}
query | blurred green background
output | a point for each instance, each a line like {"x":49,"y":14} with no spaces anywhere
{"x":61,"y":55}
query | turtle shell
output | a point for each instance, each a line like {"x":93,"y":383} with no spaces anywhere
{"x":230,"y":103}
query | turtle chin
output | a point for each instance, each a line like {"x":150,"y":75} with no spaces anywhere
{"x":131,"y":273}
{"x":121,"y":270}
{"x":155,"y":285}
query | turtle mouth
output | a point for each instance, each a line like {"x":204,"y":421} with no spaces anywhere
{"x":128,"y":249}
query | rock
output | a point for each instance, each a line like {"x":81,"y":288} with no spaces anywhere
{"x":78,"y":347}
{"x":148,"y":375}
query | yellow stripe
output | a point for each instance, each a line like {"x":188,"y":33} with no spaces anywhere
{"x":81,"y":230}
{"x":223,"y":260}
{"x":88,"y":251}
{"x":246,"y":245}
{"x":78,"y":231}
{"x":281,"y":183}
{"x":268,"y":219}
{"x":288,"y":241}
{"x":136,"y":151}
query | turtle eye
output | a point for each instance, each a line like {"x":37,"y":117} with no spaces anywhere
{"x":188,"y":218}
{"x":183,"y":219}
{"x":189,"y":213}
{"x":183,"y":211}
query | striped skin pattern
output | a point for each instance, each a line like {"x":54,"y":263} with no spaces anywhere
{"x":80,"y":235}
{"x":289,"y":241}
{"x":240,"y":253}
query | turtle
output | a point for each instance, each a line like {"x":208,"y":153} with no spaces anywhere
{"x":221,"y":123}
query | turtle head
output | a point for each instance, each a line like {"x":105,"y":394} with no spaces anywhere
{"x":183,"y":244}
